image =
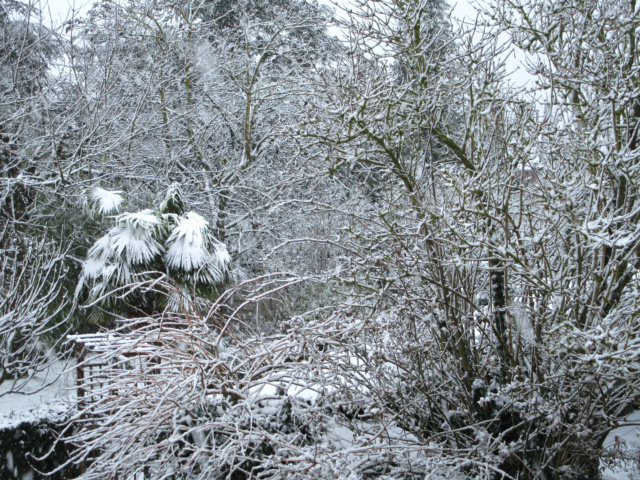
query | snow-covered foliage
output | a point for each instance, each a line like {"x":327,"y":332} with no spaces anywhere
{"x":470,"y":251}
{"x":173,"y":202}
{"x":105,"y":202}
{"x":194,"y":254}
{"x":133,"y":238}
{"x":493,"y":282}
{"x":174,"y":398}
{"x":118,"y":258}
{"x":146,"y":244}
{"x":30,"y":304}
{"x":190,"y":405}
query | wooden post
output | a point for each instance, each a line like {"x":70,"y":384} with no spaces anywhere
{"x":80,"y":355}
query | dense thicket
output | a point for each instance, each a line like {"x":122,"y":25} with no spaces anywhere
{"x":447,"y":265}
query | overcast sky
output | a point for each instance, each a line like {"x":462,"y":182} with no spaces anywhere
{"x":60,"y":11}
{"x":464,"y":9}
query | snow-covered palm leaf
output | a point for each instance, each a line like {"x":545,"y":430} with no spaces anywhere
{"x":146,"y":241}
{"x":129,"y":247}
{"x":193,"y":253}
{"x":134,"y":237}
{"x":104,"y":202}
{"x":173,"y":202}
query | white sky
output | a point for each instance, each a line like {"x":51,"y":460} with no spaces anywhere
{"x":515,"y":60}
{"x":465,"y":10}
{"x":58,"y":11}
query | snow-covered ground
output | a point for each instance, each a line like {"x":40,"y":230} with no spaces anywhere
{"x":47,"y":395}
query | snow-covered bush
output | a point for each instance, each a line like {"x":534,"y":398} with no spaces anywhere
{"x":177,"y":397}
{"x":493,"y":282}
{"x":194,"y":397}
{"x":31,"y":301}
{"x":122,"y":267}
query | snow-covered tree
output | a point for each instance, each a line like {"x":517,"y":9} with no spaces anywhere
{"x":31,"y":301}
{"x":121,"y":267}
{"x":208,"y":93}
{"x":33,"y":295}
{"x":27,"y":48}
{"x":494,"y":277}
{"x":483,"y":241}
